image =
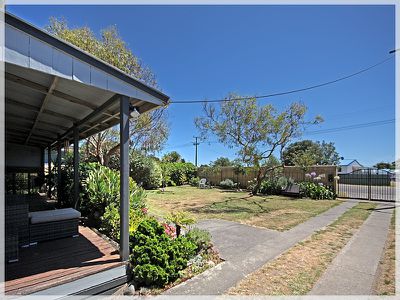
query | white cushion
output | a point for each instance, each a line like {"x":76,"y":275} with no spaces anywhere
{"x":53,"y":215}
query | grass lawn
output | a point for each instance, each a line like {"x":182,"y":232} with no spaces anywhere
{"x":273,"y":212}
{"x":386,"y":282}
{"x":297,"y":270}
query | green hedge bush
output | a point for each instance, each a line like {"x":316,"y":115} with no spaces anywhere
{"x":157,"y":259}
{"x":227,"y":184}
{"x":272,"y":185}
{"x":200,"y":237}
{"x":146,"y":171}
{"x":316,"y":191}
{"x":194,"y":181}
{"x":178,"y":173}
{"x":101,"y":199}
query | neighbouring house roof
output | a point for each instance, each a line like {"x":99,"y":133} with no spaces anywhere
{"x":52,"y":86}
{"x":353,"y":162}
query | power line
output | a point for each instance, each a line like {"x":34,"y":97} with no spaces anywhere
{"x":290,"y":91}
{"x":352,"y":113}
{"x":328,"y":130}
{"x":350,"y":127}
{"x":178,"y":146}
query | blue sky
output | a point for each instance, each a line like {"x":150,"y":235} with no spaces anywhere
{"x":200,"y":52}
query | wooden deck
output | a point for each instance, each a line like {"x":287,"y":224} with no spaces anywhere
{"x":57,"y":262}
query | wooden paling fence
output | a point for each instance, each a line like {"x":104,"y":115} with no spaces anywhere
{"x":296,"y":173}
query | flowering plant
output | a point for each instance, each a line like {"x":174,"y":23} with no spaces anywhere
{"x":313,"y":175}
{"x":169,"y":230}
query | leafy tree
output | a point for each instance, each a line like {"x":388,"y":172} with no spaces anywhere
{"x":222,"y":162}
{"x":109,"y":47}
{"x":298,"y":153}
{"x":172,"y":156}
{"x":145,"y":170}
{"x":305,"y":159}
{"x":385,"y":165}
{"x":306,"y":153}
{"x":150,"y":131}
{"x":256,"y":132}
{"x":329,"y":154}
{"x":147,"y":134}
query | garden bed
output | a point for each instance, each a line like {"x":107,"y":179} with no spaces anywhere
{"x":208,"y":261}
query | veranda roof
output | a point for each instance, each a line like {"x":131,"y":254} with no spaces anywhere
{"x":52,"y":86}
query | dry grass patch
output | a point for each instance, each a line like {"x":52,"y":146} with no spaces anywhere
{"x":273,"y":212}
{"x":386,"y":283}
{"x":297,"y":270}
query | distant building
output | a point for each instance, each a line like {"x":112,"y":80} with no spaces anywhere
{"x":350,"y":167}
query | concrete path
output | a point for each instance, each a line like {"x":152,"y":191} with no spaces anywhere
{"x":246,"y":248}
{"x":353,"y":271}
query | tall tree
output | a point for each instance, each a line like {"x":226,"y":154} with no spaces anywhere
{"x":109,"y":47}
{"x":172,"y":156}
{"x":329,"y":154}
{"x":147,"y":133}
{"x":256,"y":132}
{"x":306,"y":153}
{"x":385,"y":165}
{"x":222,"y":162}
{"x":298,"y":153}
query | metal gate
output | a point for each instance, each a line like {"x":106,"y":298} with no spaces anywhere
{"x":369,"y":184}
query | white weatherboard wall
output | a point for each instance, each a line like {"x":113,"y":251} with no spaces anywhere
{"x":22,"y":156}
{"x":27,"y":51}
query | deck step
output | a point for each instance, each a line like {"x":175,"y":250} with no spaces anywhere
{"x":90,"y":285}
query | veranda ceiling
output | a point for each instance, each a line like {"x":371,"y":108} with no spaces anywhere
{"x":52,"y":86}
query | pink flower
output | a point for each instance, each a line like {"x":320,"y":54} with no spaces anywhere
{"x":144,"y":210}
{"x":169,"y":230}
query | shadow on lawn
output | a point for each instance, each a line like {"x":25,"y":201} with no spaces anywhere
{"x":234,"y":191}
{"x":234,"y":205}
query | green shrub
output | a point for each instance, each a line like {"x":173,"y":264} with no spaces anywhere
{"x":227,"y":184}
{"x":146,"y":171}
{"x":65,"y":195}
{"x":110,"y":220}
{"x":194,"y":181}
{"x":316,"y":191}
{"x":101,"y":200}
{"x":178,"y":173}
{"x":100,"y":197}
{"x":157,"y":259}
{"x":200,"y":237}
{"x":271,"y":186}
{"x":180,"y":219}
{"x":102,"y":188}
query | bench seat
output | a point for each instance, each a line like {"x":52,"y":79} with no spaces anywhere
{"x":53,"y":224}
{"x":53,"y":215}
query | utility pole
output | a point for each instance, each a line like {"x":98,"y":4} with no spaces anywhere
{"x":196,"y":143}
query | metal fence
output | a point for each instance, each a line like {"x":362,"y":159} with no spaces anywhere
{"x":368,"y":184}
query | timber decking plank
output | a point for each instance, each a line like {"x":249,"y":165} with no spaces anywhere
{"x":45,"y":283}
{"x":71,"y":261}
{"x":57,"y":262}
{"x":53,"y":273}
